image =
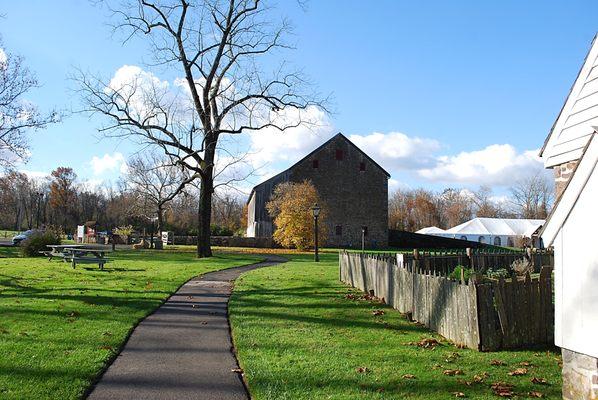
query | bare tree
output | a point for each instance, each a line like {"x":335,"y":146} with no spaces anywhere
{"x":17,"y":115}
{"x":532,"y":196}
{"x":154,"y":181}
{"x":484,"y":204}
{"x":216,"y":45}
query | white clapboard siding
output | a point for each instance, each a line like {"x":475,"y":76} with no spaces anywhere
{"x":574,"y":125}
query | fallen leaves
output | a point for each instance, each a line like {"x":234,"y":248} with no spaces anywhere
{"x":452,"y":372}
{"x":518,"y":372}
{"x":408,"y":376}
{"x":539,"y":381}
{"x":378,"y":312}
{"x":237,"y":370}
{"x":452,"y":357}
{"x":502,"y":389}
{"x":535,"y":394}
{"x":497,"y":363}
{"x":525,"y":364}
{"x":362,"y":370}
{"x":427,"y":343}
{"x":363,"y":297}
{"x":459,"y":394}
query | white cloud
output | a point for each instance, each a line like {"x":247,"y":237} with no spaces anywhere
{"x":270,"y":145}
{"x":497,"y":164}
{"x":138,"y":89}
{"x":395,"y":150}
{"x":108,"y":163}
{"x":35,"y":175}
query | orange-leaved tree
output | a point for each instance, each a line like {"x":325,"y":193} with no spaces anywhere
{"x":291,"y":208}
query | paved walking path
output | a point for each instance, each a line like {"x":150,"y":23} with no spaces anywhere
{"x":183,"y":349}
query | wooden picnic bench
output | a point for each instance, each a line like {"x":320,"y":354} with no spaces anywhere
{"x":57,"y":250}
{"x":79,"y":254}
{"x":86,"y":255}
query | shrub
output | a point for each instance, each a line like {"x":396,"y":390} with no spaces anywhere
{"x":456,"y":274}
{"x":498,"y":273}
{"x":37,"y":242}
{"x":217,"y":230}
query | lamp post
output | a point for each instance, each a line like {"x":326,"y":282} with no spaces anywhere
{"x":316,"y":212}
{"x":363,"y":233}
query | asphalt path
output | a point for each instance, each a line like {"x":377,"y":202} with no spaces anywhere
{"x":184,"y":349}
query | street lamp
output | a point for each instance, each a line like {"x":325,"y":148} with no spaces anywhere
{"x":316,"y":212}
{"x":364,"y":231}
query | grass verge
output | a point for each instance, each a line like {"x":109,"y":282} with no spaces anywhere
{"x":299,"y":336}
{"x":59,"y":327}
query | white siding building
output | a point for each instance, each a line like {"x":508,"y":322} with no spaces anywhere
{"x":571,"y":149}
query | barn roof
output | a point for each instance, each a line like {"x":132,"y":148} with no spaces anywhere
{"x":315,"y":151}
{"x":497,"y":227}
{"x":575,"y":186}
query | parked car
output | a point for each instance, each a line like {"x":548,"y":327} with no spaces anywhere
{"x":16,"y":240}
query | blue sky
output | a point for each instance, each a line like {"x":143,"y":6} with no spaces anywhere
{"x":441,"y":93}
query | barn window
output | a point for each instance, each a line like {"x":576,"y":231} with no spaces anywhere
{"x":339,"y":155}
{"x":315,"y":163}
{"x":510,"y":242}
{"x":338,"y":230}
{"x":362,"y":166}
{"x":463,"y":237}
{"x":482,"y":239}
{"x":497,"y":241}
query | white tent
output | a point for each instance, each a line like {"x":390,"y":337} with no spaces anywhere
{"x":430,"y":230}
{"x":497,"y":231}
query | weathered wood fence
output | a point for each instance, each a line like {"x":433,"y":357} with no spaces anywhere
{"x":485,"y":315}
{"x":443,"y":262}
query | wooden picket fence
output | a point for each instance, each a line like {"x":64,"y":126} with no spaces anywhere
{"x":443,"y":262}
{"x":481,"y":314}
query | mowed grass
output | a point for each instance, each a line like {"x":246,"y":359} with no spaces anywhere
{"x":299,"y":337}
{"x":59,"y":327}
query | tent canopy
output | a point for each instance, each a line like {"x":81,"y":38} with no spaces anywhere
{"x":497,"y":227}
{"x":430,"y":230}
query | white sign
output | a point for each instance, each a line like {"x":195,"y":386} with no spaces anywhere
{"x":167,"y":237}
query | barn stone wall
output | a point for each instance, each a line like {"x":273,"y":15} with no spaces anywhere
{"x":353,"y":197}
{"x":353,"y":188}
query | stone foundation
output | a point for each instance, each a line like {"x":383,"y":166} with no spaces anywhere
{"x":562,"y":174}
{"x":580,"y":376}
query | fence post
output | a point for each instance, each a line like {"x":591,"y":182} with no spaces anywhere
{"x":415,"y":260}
{"x":469,"y":253}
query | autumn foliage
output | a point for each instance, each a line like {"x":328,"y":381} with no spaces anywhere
{"x":290,"y":207}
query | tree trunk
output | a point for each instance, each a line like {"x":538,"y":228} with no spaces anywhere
{"x":204,"y":248}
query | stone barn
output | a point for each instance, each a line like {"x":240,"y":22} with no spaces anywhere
{"x":351,"y":184}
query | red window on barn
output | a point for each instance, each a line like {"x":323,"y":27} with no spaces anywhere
{"x":339,"y":155}
{"x":315,"y":163}
{"x":362,"y":166}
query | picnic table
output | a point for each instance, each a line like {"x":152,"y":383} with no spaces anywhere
{"x":80,"y":254}
{"x":57,"y":250}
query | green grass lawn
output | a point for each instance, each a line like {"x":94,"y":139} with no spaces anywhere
{"x":59,"y":327}
{"x":299,"y":337}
